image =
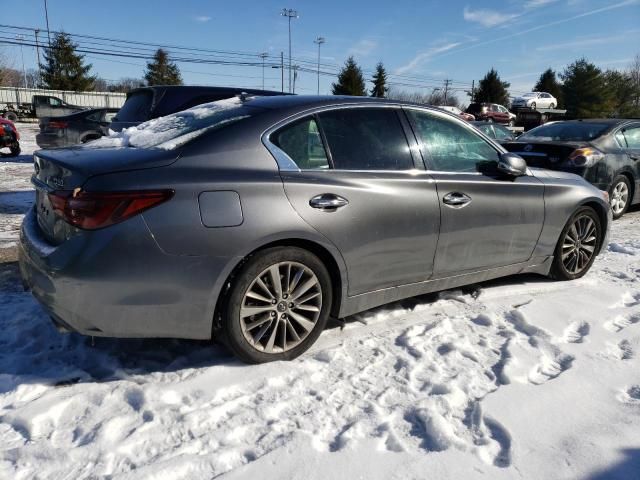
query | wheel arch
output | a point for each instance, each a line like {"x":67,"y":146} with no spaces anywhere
{"x":632,"y":182}
{"x":336,"y":269}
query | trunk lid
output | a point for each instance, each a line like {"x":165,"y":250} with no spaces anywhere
{"x":544,"y":154}
{"x":70,"y":168}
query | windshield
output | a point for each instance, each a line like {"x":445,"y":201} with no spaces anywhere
{"x":178,"y":128}
{"x":527,"y":95}
{"x":566,"y":131}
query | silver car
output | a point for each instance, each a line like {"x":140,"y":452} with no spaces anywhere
{"x":252,"y":222}
{"x":535,"y":100}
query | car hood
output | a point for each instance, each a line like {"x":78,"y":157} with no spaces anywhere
{"x":543,"y":173}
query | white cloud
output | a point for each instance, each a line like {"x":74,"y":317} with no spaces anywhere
{"x":425,"y":56}
{"x":487,"y":18}
{"x":202,"y":18}
{"x":537,"y":3}
{"x":587,"y":41}
{"x":363,"y":48}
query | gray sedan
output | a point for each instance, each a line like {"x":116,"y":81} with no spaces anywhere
{"x":254,"y":220}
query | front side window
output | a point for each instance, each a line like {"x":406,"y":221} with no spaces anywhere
{"x":301,"y":141}
{"x":366,"y":139}
{"x":502,"y":133}
{"x":450,"y":146}
{"x":632,"y":137}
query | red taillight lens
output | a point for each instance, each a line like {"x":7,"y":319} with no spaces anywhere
{"x":58,"y":124}
{"x":93,"y":210}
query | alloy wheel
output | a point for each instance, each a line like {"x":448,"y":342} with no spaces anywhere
{"x":619,"y":198}
{"x":281,"y":307}
{"x":579,"y":244}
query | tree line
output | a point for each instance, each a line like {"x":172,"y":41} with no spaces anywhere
{"x":582,"y":88}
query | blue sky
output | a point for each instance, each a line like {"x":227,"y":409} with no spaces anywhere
{"x":423,"y":42}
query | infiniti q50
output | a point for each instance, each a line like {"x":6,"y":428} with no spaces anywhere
{"x":252,"y":220}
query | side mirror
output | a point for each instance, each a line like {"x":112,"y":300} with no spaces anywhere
{"x":512,"y":164}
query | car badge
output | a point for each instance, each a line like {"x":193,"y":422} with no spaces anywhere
{"x":528,"y":148}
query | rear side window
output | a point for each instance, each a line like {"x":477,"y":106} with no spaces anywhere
{"x":450,"y":146}
{"x":137,"y":107}
{"x":302,"y":142}
{"x":366,"y":139}
{"x":632,"y":137}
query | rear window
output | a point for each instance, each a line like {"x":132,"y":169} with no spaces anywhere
{"x":178,"y":128}
{"x":137,"y":107}
{"x":566,"y":131}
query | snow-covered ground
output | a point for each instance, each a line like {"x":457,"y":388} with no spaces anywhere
{"x":516,"y":378}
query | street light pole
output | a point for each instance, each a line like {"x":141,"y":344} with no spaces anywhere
{"x":46,"y":14}
{"x":263,"y":55}
{"x":37,"y":31}
{"x":319,"y":41}
{"x":289,"y":13}
{"x":20,"y":38}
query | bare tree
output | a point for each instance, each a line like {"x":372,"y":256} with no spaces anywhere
{"x":634,"y":76}
{"x":436,"y":97}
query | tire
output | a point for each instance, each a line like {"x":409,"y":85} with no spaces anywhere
{"x":512,"y":122}
{"x":620,"y":196}
{"x":533,"y":105}
{"x":13,"y":116}
{"x":582,"y":233}
{"x":255,"y":338}
{"x":552,"y":105}
{"x":490,"y":119}
{"x":14,"y":149}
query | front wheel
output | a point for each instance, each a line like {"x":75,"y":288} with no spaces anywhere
{"x":15,"y":149}
{"x":490,"y":119}
{"x":512,"y":123}
{"x":533,"y":105}
{"x":619,"y":196}
{"x":578,"y":244}
{"x":552,"y":105}
{"x":278,"y":305}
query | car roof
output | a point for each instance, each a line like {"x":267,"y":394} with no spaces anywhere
{"x":311,"y":101}
{"x":197,"y":89}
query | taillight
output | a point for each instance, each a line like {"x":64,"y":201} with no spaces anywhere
{"x":586,"y":156}
{"x":58,"y":124}
{"x":93,"y":210}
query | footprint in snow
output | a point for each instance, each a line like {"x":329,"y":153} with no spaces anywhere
{"x":630,"y":395}
{"x":576,"y":332}
{"x":622,"y":321}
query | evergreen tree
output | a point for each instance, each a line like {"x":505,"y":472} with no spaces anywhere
{"x":63,"y":68}
{"x":162,"y":71}
{"x":350,"y":80}
{"x":548,"y":82}
{"x":585,"y":90}
{"x":379,"y":82}
{"x":492,"y":90}
{"x":623,"y":93}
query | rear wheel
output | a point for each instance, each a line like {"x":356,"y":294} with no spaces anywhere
{"x":13,"y":116}
{"x":512,"y":122}
{"x":278,"y":305}
{"x":533,"y":105}
{"x":578,"y":244}
{"x":552,"y":105}
{"x":14,"y":149}
{"x":619,"y":195}
{"x":490,"y":119}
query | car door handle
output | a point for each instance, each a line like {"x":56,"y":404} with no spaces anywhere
{"x":328,"y":202}
{"x":456,"y":199}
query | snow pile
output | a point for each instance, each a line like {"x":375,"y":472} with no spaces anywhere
{"x":173,"y":130}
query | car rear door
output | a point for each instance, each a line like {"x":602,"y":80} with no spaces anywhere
{"x":629,"y":138}
{"x":488,"y":220}
{"x":353,"y":177}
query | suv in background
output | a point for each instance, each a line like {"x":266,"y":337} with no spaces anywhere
{"x":492,"y":112}
{"x":145,"y":103}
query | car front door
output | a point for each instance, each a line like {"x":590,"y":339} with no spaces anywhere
{"x":629,"y":138}
{"x":354,"y":178}
{"x":488,"y":220}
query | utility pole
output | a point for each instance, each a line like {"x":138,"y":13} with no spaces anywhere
{"x":295,"y":77}
{"x":20,"y":38}
{"x":46,"y":14}
{"x":319,"y":41}
{"x":289,"y":13}
{"x":446,"y":89}
{"x":37,"y":31}
{"x":282,"y":72}
{"x":263,"y":55}
{"x":473,"y":90}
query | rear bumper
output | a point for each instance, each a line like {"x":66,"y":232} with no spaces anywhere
{"x":52,"y":140}
{"x":116,"y":282}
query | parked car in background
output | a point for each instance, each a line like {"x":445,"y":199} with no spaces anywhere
{"x":243,"y":224}
{"x":498,"y":132}
{"x":491,"y":112}
{"x":79,"y":127}
{"x":455,"y":110}
{"x":606,"y":152}
{"x":9,"y":137}
{"x":535,"y":100}
{"x":145,"y":103}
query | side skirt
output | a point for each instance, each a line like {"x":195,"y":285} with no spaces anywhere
{"x":365,"y":301}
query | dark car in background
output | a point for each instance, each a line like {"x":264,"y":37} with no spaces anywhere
{"x":145,"y":103}
{"x":491,"y":112}
{"x":498,"y":132}
{"x":258,"y":218}
{"x":606,"y":152}
{"x":9,"y":137}
{"x":79,"y":127}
